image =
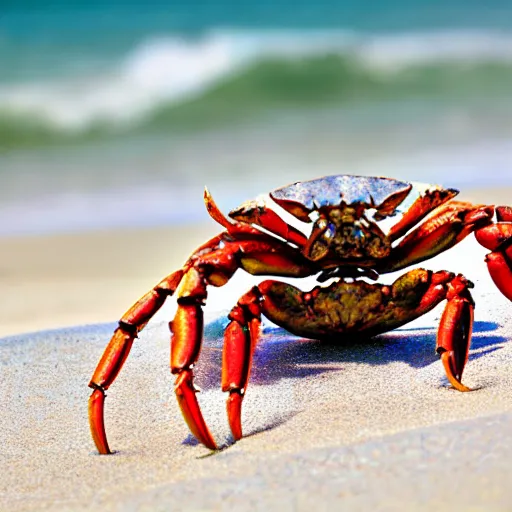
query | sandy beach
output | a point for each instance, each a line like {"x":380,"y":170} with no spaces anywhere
{"x":373,"y":425}
{"x":63,"y":280}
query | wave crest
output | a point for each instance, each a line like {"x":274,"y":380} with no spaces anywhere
{"x":174,"y":81}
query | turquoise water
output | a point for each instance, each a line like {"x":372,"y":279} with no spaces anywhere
{"x":110,"y":108}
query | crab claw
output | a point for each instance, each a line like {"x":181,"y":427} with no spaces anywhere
{"x":501,"y":272}
{"x":498,"y":239}
{"x":454,"y":335}
{"x":96,"y":422}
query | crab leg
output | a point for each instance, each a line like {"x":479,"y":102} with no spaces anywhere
{"x":455,"y":328}
{"x":441,"y":231}
{"x":240,"y":339}
{"x":256,"y":256}
{"x":423,"y":205}
{"x":187,"y":329}
{"x":240,"y":246}
{"x":254,"y":212}
{"x":114,"y":356}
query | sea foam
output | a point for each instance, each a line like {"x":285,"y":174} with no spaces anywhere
{"x":169,"y":70}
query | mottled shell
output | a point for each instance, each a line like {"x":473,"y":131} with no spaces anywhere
{"x":304,"y":197}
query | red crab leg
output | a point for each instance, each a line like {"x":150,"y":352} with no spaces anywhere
{"x":240,"y":339}
{"x":114,"y":356}
{"x":187,"y":332}
{"x":455,"y":328}
{"x":441,"y":231}
{"x":187,"y":328}
{"x":256,"y":257}
{"x":253,"y":212}
{"x":420,"y":209}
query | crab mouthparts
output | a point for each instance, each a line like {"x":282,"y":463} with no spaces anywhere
{"x":358,"y":238}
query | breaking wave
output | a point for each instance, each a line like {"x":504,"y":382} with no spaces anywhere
{"x":175,"y":83}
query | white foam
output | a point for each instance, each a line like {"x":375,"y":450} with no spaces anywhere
{"x":158,"y":70}
{"x":171,"y":68}
{"x":397,"y":51}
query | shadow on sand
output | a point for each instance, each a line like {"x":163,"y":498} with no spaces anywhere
{"x":281,"y":355}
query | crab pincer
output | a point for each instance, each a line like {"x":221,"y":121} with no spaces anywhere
{"x":498,"y":239}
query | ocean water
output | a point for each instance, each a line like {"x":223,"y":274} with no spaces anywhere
{"x":117,"y":113}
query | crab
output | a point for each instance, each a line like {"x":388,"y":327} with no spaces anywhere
{"x":333,"y":228}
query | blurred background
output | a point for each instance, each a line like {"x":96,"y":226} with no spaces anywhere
{"x":116,"y":113}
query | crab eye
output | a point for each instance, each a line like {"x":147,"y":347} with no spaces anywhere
{"x":320,"y":240}
{"x":358,"y":233}
{"x":330,"y":231}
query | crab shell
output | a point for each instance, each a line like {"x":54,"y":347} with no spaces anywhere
{"x":303,"y":198}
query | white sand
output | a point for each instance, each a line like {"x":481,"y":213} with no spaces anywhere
{"x":57,"y":281}
{"x":370,"y":426}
